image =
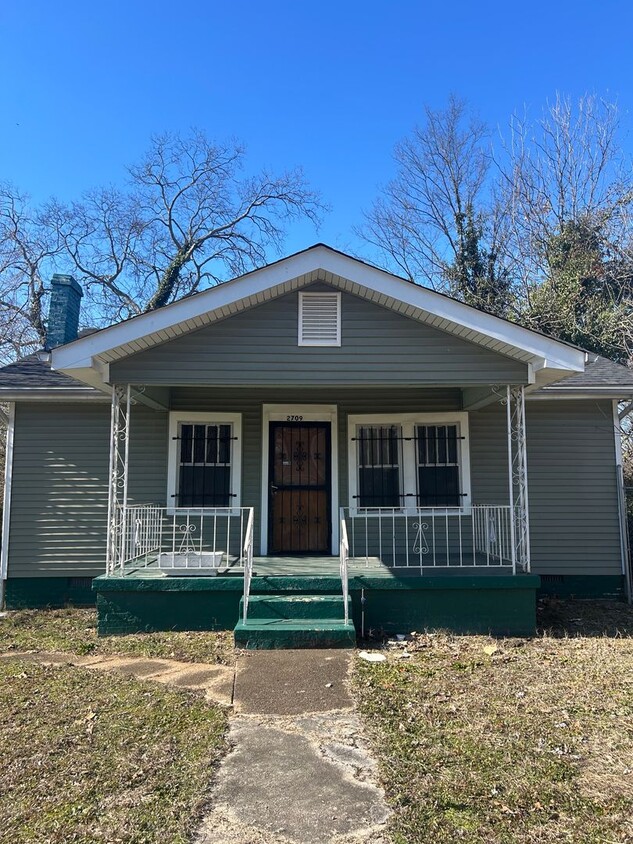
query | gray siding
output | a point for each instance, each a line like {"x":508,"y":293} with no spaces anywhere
{"x":59,"y":496}
{"x":573,"y":492}
{"x":574,"y":525}
{"x":59,"y":500}
{"x":259,"y":346}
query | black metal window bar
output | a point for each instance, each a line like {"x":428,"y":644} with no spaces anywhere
{"x":381,"y":451}
{"x":204,"y":467}
{"x":379,"y":459}
{"x":438,"y":465}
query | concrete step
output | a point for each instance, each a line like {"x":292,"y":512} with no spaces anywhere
{"x":298,"y":607}
{"x":287,"y":634}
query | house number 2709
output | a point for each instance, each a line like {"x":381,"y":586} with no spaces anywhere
{"x":294,"y":418}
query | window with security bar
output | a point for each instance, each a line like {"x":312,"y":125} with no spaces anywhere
{"x":204,"y":465}
{"x":379,"y":465}
{"x":437,"y":448}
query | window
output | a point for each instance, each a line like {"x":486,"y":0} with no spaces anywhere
{"x":319,"y":319}
{"x":438,"y":466}
{"x":405,"y":460}
{"x":204,"y":460}
{"x":379,"y":465}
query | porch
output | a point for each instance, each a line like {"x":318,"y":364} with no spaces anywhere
{"x":391,"y":533}
{"x":195,"y":569}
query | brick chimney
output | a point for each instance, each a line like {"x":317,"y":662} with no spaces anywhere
{"x":63,"y":312}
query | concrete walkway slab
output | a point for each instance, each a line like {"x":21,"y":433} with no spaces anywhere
{"x":214,"y":681}
{"x":280,"y":785}
{"x":291,"y":682}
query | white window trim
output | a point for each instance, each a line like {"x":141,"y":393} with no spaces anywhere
{"x":408,"y":475}
{"x":308,"y":413}
{"x":180,"y":416}
{"x":322,"y":343}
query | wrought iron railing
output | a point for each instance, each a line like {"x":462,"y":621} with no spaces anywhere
{"x":343,"y":563}
{"x":179,"y":540}
{"x":477,"y":536}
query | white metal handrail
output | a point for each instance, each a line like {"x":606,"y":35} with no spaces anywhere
{"x":248,"y":562}
{"x":179,"y":538}
{"x":343,"y":564}
{"x":477,"y":536}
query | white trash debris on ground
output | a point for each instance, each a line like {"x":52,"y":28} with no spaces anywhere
{"x":372,"y":657}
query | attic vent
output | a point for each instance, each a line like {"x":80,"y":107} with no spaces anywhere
{"x":319,"y":319}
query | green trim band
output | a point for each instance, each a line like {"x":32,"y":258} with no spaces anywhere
{"x":605,"y":586}
{"x":40,"y":592}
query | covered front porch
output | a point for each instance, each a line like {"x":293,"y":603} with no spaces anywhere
{"x":464,"y":565}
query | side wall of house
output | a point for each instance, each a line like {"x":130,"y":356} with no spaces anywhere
{"x":59,"y":494}
{"x":574,"y":526}
{"x":59,"y":500}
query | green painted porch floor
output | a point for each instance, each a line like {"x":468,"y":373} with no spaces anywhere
{"x":318,"y":566}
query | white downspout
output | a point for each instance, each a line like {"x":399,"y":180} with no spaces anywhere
{"x":622,"y":514}
{"x":6,"y":507}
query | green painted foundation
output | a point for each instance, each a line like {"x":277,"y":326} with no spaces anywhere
{"x":39,"y":592}
{"x":602,"y":586}
{"x":501,"y":605}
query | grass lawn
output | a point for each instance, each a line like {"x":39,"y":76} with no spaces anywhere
{"x":75,"y":631}
{"x":484,"y":740}
{"x":101,"y":759}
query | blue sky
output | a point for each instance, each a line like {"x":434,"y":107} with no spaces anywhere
{"x":330,"y":86}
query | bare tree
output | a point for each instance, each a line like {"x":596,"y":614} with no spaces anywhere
{"x":566,"y":167}
{"x":441,"y":172}
{"x":189,"y":219}
{"x":568,"y":193}
{"x":27,"y":248}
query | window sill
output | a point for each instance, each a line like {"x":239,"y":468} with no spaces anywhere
{"x":389,"y":512}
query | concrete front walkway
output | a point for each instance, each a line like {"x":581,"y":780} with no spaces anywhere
{"x":214,"y":681}
{"x":299,"y":770}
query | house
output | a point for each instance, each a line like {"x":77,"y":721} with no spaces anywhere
{"x":315,"y":449}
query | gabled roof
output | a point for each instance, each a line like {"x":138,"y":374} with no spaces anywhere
{"x":89,"y":357}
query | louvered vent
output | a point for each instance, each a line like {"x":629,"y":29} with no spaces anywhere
{"x":319,"y":319}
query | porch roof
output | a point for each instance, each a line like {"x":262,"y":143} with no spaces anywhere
{"x":88,"y":358}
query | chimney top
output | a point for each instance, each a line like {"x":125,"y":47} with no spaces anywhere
{"x":63,"y":313}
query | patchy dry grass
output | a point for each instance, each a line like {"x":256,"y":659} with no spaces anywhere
{"x":85,"y":759}
{"x":500,"y":741}
{"x":75,"y":631}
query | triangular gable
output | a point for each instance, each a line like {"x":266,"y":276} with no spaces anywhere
{"x":261,"y":346}
{"x":89,"y":357}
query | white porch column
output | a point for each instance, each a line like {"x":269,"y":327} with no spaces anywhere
{"x":517,"y":478}
{"x":118,"y":477}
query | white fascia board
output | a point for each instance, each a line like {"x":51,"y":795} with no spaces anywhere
{"x":47,"y":394}
{"x":80,"y":353}
{"x":551,"y":351}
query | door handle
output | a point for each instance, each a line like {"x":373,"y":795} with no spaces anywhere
{"x":273,"y":489}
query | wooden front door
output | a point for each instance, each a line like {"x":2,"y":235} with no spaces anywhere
{"x":300,"y":488}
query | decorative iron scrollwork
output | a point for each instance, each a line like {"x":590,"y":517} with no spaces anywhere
{"x":299,"y":456}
